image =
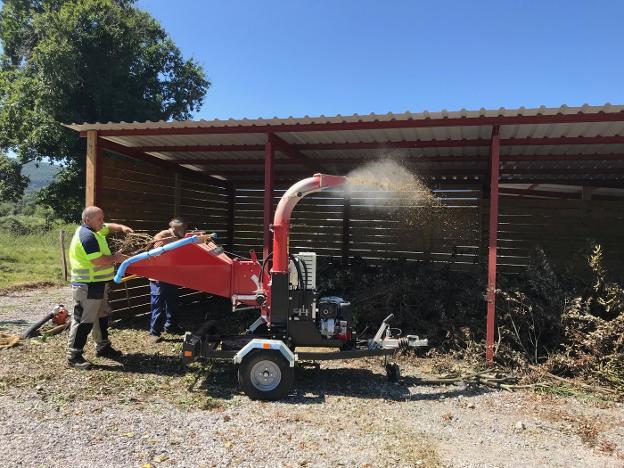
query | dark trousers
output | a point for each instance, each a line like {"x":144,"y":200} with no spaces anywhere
{"x":164,"y":306}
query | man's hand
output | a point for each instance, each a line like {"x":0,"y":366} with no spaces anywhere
{"x":114,"y":227}
{"x":118,"y":257}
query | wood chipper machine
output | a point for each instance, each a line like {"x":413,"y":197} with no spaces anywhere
{"x":282,"y":287}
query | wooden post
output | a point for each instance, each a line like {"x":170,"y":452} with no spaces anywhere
{"x":493,"y":234}
{"x":92,"y":169}
{"x":269,"y":168}
{"x":63,"y":257}
{"x":231,"y":191}
{"x":177,"y":194}
{"x":346,"y":229}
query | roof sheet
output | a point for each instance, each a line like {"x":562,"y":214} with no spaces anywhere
{"x":462,"y":113}
{"x":469,"y":141}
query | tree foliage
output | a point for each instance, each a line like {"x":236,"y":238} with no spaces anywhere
{"x":12,"y":182}
{"x":70,"y":61}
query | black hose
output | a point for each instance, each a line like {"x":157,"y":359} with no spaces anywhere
{"x":265,"y":261}
{"x":305,"y":269}
{"x":30,"y":332}
{"x":303,"y":281}
{"x":295,"y":261}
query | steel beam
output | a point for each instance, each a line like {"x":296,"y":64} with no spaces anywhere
{"x":171,"y":166}
{"x":459,"y":171}
{"x":539,"y":193}
{"x":493,"y":237}
{"x":414,"y":144}
{"x":199,"y":148}
{"x":231,"y":197}
{"x":269,"y":179}
{"x":415,"y":159}
{"x":346,"y":229}
{"x":295,"y":154}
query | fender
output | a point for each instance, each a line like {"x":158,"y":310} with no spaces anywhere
{"x":257,"y":343}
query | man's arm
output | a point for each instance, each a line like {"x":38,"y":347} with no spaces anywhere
{"x":109,"y":259}
{"x":163,"y":238}
{"x":113,"y":227}
{"x":94,"y":254}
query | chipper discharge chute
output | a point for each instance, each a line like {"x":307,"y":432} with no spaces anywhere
{"x":282,"y":289}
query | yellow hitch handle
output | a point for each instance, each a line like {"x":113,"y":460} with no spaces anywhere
{"x":128,"y":278}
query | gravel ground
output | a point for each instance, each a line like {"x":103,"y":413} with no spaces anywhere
{"x":149,"y":410}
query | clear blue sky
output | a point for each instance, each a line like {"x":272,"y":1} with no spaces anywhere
{"x":269,"y":58}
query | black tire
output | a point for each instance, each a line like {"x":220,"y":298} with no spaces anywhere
{"x":265,"y":375}
{"x":393,"y":371}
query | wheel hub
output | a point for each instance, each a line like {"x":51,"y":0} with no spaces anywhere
{"x":266,"y":376}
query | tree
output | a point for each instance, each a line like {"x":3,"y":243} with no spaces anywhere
{"x":12,"y":182}
{"x":70,"y":61}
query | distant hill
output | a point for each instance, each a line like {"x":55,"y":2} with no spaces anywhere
{"x":39,"y":176}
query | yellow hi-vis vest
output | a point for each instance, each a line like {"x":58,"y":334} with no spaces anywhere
{"x":82,"y":270}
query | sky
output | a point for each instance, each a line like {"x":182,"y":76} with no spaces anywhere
{"x":302,"y":57}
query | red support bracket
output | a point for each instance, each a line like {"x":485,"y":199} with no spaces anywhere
{"x":493,"y":237}
{"x":231,"y":197}
{"x":292,"y":152}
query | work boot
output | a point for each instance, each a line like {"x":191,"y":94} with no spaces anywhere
{"x":155,"y":338}
{"x":174,"y":330}
{"x":109,"y":352}
{"x":78,"y":362}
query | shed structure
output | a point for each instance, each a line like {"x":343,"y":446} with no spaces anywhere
{"x":514,"y":179}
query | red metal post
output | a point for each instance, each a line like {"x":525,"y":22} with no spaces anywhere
{"x":346,"y":229}
{"x":491,"y":285}
{"x":231,"y":195}
{"x":269,"y":176}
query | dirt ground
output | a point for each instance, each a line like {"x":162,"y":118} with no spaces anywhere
{"x":149,"y":410}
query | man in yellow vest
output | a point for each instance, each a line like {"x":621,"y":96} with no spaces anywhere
{"x":92,"y":269}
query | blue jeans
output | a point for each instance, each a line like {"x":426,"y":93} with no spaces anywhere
{"x":164,"y":306}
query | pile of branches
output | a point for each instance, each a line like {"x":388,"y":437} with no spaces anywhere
{"x":565,"y":320}
{"x":131,"y":244}
{"x":569,"y":322}
{"x":425,"y":298}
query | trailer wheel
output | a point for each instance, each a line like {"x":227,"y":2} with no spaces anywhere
{"x":265,"y":375}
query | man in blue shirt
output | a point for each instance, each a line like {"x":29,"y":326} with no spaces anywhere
{"x":164,"y":296}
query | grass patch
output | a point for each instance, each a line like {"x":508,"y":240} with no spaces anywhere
{"x":148,"y":374}
{"x":413,"y":449}
{"x":31,"y":259}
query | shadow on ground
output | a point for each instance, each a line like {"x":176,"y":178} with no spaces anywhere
{"x":13,"y":323}
{"x":218,"y":379}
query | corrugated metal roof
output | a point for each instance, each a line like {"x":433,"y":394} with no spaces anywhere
{"x":462,"y":113}
{"x":344,"y":159}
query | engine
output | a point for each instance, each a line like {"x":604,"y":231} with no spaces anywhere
{"x":311,"y":319}
{"x":334,"y":318}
